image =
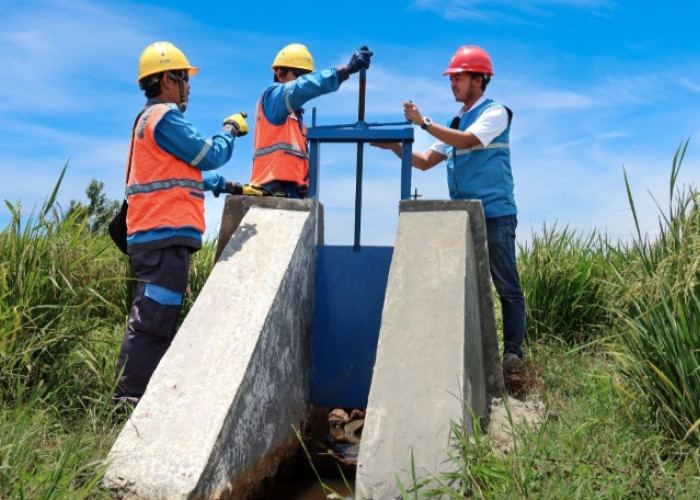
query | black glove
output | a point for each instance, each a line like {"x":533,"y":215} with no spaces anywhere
{"x":360,"y":59}
{"x":247,"y":189}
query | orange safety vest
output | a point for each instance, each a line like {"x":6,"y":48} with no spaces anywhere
{"x":280,"y":152}
{"x":163,"y":191}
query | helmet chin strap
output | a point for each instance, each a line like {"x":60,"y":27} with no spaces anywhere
{"x":182,"y":105}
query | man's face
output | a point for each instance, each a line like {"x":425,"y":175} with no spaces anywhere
{"x":288,"y":74}
{"x":465,"y":87}
{"x":171,"y":87}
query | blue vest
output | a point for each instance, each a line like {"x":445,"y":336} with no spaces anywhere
{"x":480,"y":172}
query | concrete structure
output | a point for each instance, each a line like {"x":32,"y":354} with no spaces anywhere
{"x":437,"y":356}
{"x":218,"y":414}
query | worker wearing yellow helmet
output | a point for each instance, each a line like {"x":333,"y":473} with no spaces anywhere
{"x":169,"y":167}
{"x":280,"y":153}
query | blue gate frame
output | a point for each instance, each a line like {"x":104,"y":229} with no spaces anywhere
{"x":350,"y":282}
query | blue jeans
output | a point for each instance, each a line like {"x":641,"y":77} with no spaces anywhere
{"x":501,"y":243}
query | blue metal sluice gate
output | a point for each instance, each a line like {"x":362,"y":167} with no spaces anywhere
{"x":350,"y":281}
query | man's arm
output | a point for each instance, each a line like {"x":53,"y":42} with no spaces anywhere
{"x":488,"y":126}
{"x":282,"y":99}
{"x":422,"y":161}
{"x":177,"y":136}
{"x":455,"y":138}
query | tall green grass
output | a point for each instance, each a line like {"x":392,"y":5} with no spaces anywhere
{"x":61,"y":287}
{"x":62,"y":310}
{"x":64,"y":302}
{"x":613,"y":339}
{"x":659,"y":316}
{"x":564,"y":277}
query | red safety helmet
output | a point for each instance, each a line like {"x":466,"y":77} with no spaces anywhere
{"x":470,"y":58}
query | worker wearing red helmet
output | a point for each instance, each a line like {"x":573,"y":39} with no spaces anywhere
{"x":476,"y":146}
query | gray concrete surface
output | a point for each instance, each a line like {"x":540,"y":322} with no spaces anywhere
{"x":217,"y":416}
{"x":435,"y":356}
{"x":235,"y":208}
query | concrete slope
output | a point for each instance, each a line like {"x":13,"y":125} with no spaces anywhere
{"x":218,"y":414}
{"x":435,"y":356}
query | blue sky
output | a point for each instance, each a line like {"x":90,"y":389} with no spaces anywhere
{"x":595,"y":85}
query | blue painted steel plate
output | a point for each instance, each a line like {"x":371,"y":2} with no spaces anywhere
{"x":349,"y":297}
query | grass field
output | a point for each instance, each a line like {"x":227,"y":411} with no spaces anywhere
{"x":613,"y":346}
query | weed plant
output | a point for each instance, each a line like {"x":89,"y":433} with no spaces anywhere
{"x":564,"y":279}
{"x":659,"y":327}
{"x":61,"y":288}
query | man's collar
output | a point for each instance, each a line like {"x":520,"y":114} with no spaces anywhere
{"x":157,"y":100}
{"x":478,"y":102}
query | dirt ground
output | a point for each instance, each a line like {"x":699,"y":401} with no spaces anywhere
{"x":521,"y":403}
{"x":501,"y":431}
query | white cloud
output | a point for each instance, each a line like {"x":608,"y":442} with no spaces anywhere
{"x":488,"y":11}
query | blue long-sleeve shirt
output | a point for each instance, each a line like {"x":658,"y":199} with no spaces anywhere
{"x":281,"y":99}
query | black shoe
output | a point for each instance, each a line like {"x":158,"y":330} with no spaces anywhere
{"x":512,"y":364}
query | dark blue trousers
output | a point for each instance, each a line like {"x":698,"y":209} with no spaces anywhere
{"x":160,"y":281}
{"x":504,"y":273}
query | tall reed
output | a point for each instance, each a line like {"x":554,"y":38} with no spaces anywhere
{"x":61,"y":287}
{"x":659,"y":328}
{"x":563,"y":274}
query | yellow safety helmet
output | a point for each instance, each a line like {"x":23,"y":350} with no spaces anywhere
{"x":294,"y":55}
{"x":163,"y":56}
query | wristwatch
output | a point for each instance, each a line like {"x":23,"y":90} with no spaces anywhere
{"x":427,"y":122}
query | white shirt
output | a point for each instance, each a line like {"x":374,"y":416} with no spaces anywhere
{"x":486,"y":128}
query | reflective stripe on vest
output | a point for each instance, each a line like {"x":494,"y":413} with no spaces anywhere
{"x":280,"y":152}
{"x":493,"y":145}
{"x":163,"y":191}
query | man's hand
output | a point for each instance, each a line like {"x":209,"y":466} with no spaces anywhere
{"x":246,"y":189}
{"x":360,"y":59}
{"x":256,"y":190}
{"x":238,"y":123}
{"x":412,"y":113}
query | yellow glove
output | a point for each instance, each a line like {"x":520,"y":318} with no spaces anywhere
{"x":256,"y":190}
{"x":237,"y":120}
{"x":249,"y":189}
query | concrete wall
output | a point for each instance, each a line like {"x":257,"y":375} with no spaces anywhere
{"x":435,"y":356}
{"x":218,"y":414}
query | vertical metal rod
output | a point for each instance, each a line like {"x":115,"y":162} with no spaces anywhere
{"x":314,"y":171}
{"x":406,"y":161}
{"x":313,"y":160}
{"x":360,"y":152}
